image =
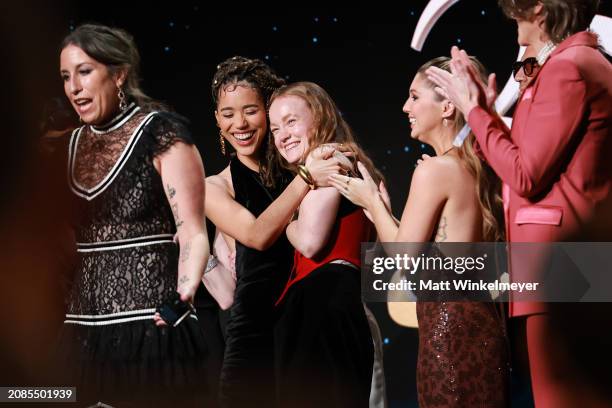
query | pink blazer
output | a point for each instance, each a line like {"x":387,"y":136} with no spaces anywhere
{"x":556,"y":161}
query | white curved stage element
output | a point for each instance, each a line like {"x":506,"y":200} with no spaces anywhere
{"x":602,"y":26}
{"x":433,"y":11}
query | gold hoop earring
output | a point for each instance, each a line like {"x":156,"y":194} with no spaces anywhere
{"x":222,"y":142}
{"x":122,"y":100}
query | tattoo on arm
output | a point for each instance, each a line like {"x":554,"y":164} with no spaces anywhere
{"x":171,"y":191}
{"x":441,"y":234}
{"x":177,"y":220}
{"x":183,"y":280}
{"x":185,"y":252}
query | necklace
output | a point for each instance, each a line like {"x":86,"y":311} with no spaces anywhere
{"x":116,"y":122}
{"x":545,"y":52}
{"x":448,"y":150}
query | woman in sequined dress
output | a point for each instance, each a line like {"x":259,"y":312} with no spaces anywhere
{"x":136,"y":180}
{"x":463,"y":356}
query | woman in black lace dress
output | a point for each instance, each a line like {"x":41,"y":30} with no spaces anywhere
{"x":137,"y":181}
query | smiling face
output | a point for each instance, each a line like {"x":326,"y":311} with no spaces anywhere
{"x":424,"y":108}
{"x":292,"y":124}
{"x":241,"y":116}
{"x":90,"y":86}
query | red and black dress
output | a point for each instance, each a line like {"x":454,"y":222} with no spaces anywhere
{"x":324,"y":348}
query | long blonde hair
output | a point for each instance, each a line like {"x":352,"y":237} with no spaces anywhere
{"x":488,"y":185}
{"x":329,"y":125}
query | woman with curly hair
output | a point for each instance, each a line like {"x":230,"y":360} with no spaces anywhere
{"x":251,"y":202}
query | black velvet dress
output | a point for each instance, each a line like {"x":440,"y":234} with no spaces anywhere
{"x":247,"y":376}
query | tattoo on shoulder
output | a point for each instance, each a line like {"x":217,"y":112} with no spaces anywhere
{"x":171,"y":191}
{"x":441,"y":233}
{"x":185,"y":252}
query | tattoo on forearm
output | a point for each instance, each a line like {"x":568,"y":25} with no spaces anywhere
{"x":177,"y":220}
{"x":441,"y":234}
{"x":171,"y":191}
{"x":183,"y":280}
{"x":185,"y":252}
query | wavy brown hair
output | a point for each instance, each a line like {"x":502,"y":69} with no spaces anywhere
{"x":328,"y":125}
{"x":116,"y":49}
{"x":488,"y":185}
{"x":562,"y":17}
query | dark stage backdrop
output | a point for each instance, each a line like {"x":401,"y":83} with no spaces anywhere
{"x":359,"y":52}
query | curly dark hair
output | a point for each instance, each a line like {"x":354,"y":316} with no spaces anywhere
{"x":254,"y":72}
{"x":259,"y":76}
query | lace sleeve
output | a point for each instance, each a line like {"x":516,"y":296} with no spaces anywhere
{"x":165,"y":129}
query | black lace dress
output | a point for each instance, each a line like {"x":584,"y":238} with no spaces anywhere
{"x":109,"y":345}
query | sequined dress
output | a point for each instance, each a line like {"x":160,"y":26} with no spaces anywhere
{"x":109,"y":346}
{"x":463,"y":358}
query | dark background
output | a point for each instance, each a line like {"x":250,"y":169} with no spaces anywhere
{"x":359,"y":52}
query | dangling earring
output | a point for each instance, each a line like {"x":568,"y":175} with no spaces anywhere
{"x":445,"y":122}
{"x":122,"y":101}
{"x":222,"y":141}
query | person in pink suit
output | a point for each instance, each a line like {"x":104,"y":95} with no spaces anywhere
{"x":555,"y":161}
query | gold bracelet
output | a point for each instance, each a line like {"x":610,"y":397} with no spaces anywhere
{"x":304,"y":173}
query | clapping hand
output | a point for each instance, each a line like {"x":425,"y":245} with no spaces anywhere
{"x":463,"y":86}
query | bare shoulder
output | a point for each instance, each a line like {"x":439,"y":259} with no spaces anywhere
{"x":442,"y":174}
{"x":221,"y":181}
{"x":437,"y":168}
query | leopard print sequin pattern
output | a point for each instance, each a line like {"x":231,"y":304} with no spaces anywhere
{"x":463,"y":356}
